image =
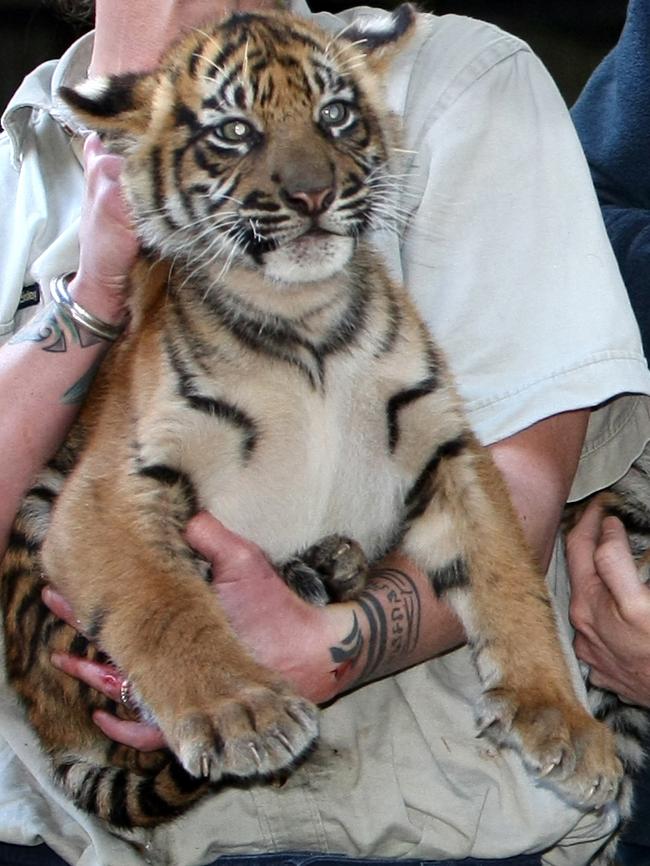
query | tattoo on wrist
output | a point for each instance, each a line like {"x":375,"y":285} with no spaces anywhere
{"x":55,"y":329}
{"x":391,"y":608}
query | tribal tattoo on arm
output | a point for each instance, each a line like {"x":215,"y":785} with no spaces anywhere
{"x":57,"y":332}
{"x":391,"y":607}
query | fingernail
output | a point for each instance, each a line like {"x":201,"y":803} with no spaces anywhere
{"x":112,"y":681}
{"x":57,"y":660}
{"x":100,"y":716}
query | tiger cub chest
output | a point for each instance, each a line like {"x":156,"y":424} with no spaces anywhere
{"x":284,"y":463}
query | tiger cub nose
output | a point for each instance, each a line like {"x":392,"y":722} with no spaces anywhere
{"x":309,"y":201}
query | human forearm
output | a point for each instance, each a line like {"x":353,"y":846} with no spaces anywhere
{"x":322,"y":651}
{"x":538,"y":465}
{"x":398,"y":622}
{"x":45,"y":367}
{"x":45,"y":370}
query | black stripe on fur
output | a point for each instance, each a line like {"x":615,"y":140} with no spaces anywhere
{"x":421,"y":493}
{"x":119,"y":813}
{"x":116,"y":98}
{"x":170,"y":477}
{"x":399,"y":401}
{"x":454,"y":575}
{"x":213,"y":406}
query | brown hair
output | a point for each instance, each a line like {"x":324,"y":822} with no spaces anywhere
{"x":77,"y":10}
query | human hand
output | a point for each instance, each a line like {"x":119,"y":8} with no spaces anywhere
{"x":108,"y":245}
{"x":610,"y":607}
{"x":282,"y":631}
{"x":104,"y":678}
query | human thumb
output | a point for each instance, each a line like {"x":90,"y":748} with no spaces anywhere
{"x":209,"y":537}
{"x":233,"y":558}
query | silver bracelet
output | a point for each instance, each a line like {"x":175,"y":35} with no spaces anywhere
{"x":61,"y":296}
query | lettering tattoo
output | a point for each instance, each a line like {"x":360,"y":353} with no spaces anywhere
{"x":55,"y":330}
{"x":391,"y":607}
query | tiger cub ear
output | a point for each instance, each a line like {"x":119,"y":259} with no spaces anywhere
{"x":119,"y":105}
{"x":381,"y":37}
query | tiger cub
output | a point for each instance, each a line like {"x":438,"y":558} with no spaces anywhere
{"x":264,"y":328}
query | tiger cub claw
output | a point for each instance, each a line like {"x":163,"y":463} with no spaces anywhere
{"x":258,"y":733}
{"x":333,"y":569}
{"x":563,"y":746}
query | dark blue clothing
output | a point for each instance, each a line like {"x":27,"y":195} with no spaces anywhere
{"x":612,"y":117}
{"x":41,"y":855}
{"x":634,"y":847}
{"x":338,"y":860}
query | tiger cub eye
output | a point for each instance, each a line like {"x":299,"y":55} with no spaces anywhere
{"x":235,"y":130}
{"x":335,"y":113}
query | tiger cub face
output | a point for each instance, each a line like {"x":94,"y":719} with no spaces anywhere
{"x":261,"y":141}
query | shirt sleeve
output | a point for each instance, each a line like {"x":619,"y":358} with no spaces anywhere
{"x":39,"y":220}
{"x":506,"y":252}
{"x":629,"y":232}
{"x":12,"y":256}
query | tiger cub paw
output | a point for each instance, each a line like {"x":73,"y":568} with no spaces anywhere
{"x":562,"y":745}
{"x":258,"y":732}
{"x":333,"y":569}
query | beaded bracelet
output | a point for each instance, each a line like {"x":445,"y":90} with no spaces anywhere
{"x":61,"y":296}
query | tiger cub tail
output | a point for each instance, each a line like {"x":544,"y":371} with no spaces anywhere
{"x":128,"y":799}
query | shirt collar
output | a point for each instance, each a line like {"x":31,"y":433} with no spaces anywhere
{"x":38,"y":93}
{"x":299,"y":7}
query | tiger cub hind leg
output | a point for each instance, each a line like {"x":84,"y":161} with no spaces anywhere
{"x":333,"y":569}
{"x":120,"y":785}
{"x":462,"y":531}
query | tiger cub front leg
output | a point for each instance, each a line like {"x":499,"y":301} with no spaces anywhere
{"x":462,"y":530}
{"x":139,"y":594}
